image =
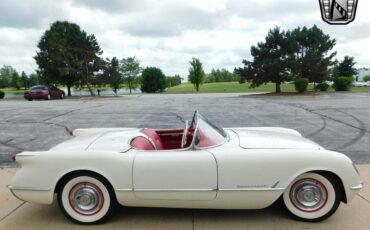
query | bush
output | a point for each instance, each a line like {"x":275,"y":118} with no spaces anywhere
{"x":301,"y":84}
{"x":2,"y":94}
{"x":152,"y":80}
{"x":343,"y":83}
{"x":367,"y":78}
{"x":322,"y":86}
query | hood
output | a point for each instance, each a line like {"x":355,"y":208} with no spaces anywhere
{"x":117,"y":141}
{"x":271,"y":139}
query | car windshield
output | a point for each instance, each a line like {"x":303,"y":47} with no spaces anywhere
{"x":38,"y":87}
{"x":207,"y":134}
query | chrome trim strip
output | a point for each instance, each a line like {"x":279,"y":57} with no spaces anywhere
{"x":358,"y":187}
{"x":124,"y":190}
{"x":175,"y":190}
{"x":250,"y":189}
{"x":199,"y":190}
{"x":12,"y":187}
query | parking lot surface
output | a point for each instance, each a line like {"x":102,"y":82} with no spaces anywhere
{"x":337,"y":121}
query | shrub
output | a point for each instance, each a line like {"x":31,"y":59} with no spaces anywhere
{"x":2,"y":94}
{"x":301,"y":84}
{"x":343,"y":83}
{"x":322,"y":86}
{"x":367,"y":78}
{"x":152,"y":80}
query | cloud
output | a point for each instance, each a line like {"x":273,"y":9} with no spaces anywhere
{"x":169,"y":33}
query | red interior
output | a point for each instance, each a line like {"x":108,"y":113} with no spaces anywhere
{"x":163,"y":139}
{"x":204,"y":141}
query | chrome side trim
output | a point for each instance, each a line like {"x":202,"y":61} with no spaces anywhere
{"x":12,"y":187}
{"x":175,"y":190}
{"x":250,"y":189}
{"x":124,"y":190}
{"x":199,"y":190}
{"x":358,"y":187}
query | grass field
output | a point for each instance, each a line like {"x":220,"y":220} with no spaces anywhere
{"x":223,"y":87}
{"x":235,"y":87}
{"x":229,"y":87}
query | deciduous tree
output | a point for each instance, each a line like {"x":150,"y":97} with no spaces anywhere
{"x":130,"y":70}
{"x":196,"y":73}
{"x":67,"y":55}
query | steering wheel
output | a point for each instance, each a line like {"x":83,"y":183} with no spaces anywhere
{"x":185,"y":134}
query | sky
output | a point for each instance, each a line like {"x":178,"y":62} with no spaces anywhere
{"x":168,"y":33}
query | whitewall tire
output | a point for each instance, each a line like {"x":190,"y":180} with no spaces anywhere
{"x":312,"y":197}
{"x":86,"y":199}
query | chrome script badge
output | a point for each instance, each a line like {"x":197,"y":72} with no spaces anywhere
{"x":338,"y":12}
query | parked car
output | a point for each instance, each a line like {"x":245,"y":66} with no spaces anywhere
{"x":43,"y":92}
{"x":359,"y":84}
{"x":198,"y":166}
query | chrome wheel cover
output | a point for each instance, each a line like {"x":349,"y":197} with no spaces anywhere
{"x":308,"y":195}
{"x":86,"y":199}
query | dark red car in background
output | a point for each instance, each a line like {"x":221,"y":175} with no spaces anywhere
{"x":43,"y":92}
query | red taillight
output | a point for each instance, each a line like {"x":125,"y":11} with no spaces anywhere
{"x":38,"y":92}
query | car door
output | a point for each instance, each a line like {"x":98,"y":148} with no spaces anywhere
{"x":175,"y":175}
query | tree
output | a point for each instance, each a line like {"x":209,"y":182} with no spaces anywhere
{"x":311,"y":50}
{"x":173,"y":81}
{"x":130,"y":70}
{"x":152,"y":80}
{"x":112,"y":75}
{"x":15,"y":81}
{"x":346,"y":67}
{"x":304,"y":52}
{"x":220,"y":75}
{"x":33,"y":79}
{"x":271,"y":61}
{"x":196,"y":73}
{"x":24,"y":80}
{"x":6,"y":73}
{"x":67,"y":55}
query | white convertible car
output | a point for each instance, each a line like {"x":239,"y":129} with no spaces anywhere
{"x":199,"y":166}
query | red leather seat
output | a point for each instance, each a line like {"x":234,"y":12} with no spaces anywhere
{"x":141,"y":143}
{"x":153,"y":135}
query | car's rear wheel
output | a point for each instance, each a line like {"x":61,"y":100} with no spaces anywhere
{"x":312,"y":197}
{"x":87,"y":199}
{"x":61,"y":95}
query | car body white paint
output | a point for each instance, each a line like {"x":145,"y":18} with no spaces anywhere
{"x":250,"y":170}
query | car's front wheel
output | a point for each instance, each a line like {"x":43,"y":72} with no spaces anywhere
{"x":312,"y":197}
{"x":87,"y":199}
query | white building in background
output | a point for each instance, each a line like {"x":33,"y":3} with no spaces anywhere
{"x":362,"y":72}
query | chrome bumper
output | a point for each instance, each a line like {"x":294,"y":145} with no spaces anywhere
{"x":358,"y":187}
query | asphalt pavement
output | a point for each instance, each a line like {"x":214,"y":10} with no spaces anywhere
{"x":337,"y":121}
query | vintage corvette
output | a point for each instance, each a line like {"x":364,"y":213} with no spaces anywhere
{"x":198,"y":166}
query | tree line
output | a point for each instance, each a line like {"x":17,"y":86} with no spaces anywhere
{"x":68,"y":56}
{"x":290,"y":55}
{"x":10,"y":78}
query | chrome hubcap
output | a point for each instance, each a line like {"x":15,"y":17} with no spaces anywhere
{"x":308,"y":195}
{"x":86,"y":198}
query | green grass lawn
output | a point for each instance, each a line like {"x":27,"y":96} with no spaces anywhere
{"x":222,"y":87}
{"x":235,"y":87}
{"x":229,"y":87}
